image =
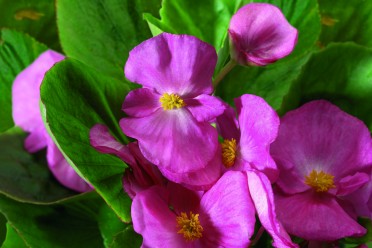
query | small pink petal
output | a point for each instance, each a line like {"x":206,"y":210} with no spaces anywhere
{"x":228,"y":125}
{"x":205,"y":107}
{"x":349,"y":184}
{"x":141,"y":102}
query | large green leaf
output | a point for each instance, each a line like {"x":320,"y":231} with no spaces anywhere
{"x":2,"y":228}
{"x":208,"y":19}
{"x":17,"y":51}
{"x":273,"y":81}
{"x":75,"y":98}
{"x":12,"y":238}
{"x":34,"y":17}
{"x":109,"y":224}
{"x":346,"y":20}
{"x":128,"y":237}
{"x":24,"y":177}
{"x":69,"y":223}
{"x":101,"y":33}
{"x":342,"y":74}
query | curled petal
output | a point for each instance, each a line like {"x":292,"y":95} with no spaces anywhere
{"x":141,"y":102}
{"x":169,"y":63}
{"x":205,"y":107}
{"x":260,"y":35}
{"x":228,"y":125}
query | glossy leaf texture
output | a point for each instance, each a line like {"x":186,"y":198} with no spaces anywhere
{"x":17,"y":51}
{"x":69,"y":223}
{"x":101,"y":33}
{"x":342,"y":74}
{"x":75,"y":98}
{"x":26,"y":177}
{"x":12,"y":238}
{"x":274,"y":81}
{"x":346,"y":20}
{"x":34,"y":17}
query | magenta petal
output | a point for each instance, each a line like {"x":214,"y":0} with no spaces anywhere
{"x":262,"y":195}
{"x":153,"y":219}
{"x":141,"y":102}
{"x":227,"y":124}
{"x":63,"y":172}
{"x":315,"y":217}
{"x":349,"y":184}
{"x":26,"y":97}
{"x":230,"y":211}
{"x":202,"y":179}
{"x":259,"y":125}
{"x":205,"y":107}
{"x":102,"y":140}
{"x":37,"y":139}
{"x":171,"y":63}
{"x":173,"y":140}
{"x":321,"y":136}
{"x":260,"y":34}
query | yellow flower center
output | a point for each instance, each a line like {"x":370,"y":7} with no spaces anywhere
{"x":171,"y":101}
{"x":228,"y":152}
{"x":189,"y":226}
{"x":320,"y":181}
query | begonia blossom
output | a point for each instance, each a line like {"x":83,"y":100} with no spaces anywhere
{"x":174,"y":216}
{"x":324,"y":156}
{"x":141,"y":175}
{"x":246,"y":148}
{"x":170,"y":115}
{"x":26,"y":114}
{"x":260,"y":34}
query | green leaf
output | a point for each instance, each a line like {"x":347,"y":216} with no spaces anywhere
{"x":109,"y":224}
{"x":2,"y":228}
{"x":101,"y":33}
{"x":34,"y":17}
{"x":127,"y":237}
{"x":24,"y":177}
{"x":342,"y":74}
{"x":346,"y":20}
{"x":208,"y":19}
{"x":271,"y":83}
{"x":12,"y":238}
{"x":17,"y":51}
{"x":69,"y":223}
{"x":76,"y":98}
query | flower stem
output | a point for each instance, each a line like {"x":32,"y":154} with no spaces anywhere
{"x":226,"y":69}
{"x":258,"y":236}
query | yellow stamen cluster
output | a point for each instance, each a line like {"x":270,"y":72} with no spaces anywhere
{"x":228,"y":152}
{"x":320,"y":181}
{"x":189,"y":227}
{"x":171,"y":101}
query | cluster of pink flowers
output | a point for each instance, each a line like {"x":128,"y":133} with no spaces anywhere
{"x":306,"y":174}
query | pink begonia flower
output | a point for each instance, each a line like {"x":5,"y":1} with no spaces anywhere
{"x":246,"y":148}
{"x":260,"y":34}
{"x":174,"y":216}
{"x":142,"y":174}
{"x":170,"y":115}
{"x":26,"y":114}
{"x":323,"y":155}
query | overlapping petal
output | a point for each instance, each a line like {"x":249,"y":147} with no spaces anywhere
{"x":205,"y":107}
{"x":141,"y":102}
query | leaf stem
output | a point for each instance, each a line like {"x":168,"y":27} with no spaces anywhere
{"x":226,"y":69}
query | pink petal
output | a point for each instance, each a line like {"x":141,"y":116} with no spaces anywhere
{"x":26,"y":97}
{"x":153,"y":219}
{"x":141,"y":102}
{"x":320,"y":136}
{"x":315,"y":216}
{"x":352,"y":183}
{"x":171,"y":63}
{"x":102,"y":140}
{"x":227,"y":124}
{"x":259,"y":124}
{"x":63,"y":172}
{"x":202,"y":179}
{"x":362,"y":200}
{"x":205,"y":107}
{"x":260,"y":34}
{"x":262,"y":195}
{"x":173,"y":140}
{"x":230,"y":211}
